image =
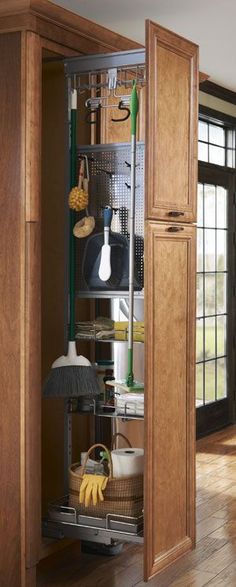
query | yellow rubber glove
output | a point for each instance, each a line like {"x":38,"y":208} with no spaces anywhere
{"x":85,"y":490}
{"x":92,"y":487}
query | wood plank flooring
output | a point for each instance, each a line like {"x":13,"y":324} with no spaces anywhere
{"x":212,"y":563}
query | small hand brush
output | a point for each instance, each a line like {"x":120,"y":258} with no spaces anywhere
{"x":78,"y":196}
{"x":85,"y":225}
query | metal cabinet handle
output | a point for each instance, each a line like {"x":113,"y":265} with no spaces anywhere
{"x":175,"y":213}
{"x":175,"y":228}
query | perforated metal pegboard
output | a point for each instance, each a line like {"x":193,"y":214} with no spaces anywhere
{"x":109,"y":172}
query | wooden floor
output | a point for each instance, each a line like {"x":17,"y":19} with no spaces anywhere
{"x":213,"y":563}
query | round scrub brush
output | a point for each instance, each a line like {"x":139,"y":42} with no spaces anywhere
{"x":85,"y":225}
{"x":78,"y":196}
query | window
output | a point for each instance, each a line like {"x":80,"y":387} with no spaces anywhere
{"x":216,"y":265}
{"x":216,"y":144}
{"x":212,"y":276}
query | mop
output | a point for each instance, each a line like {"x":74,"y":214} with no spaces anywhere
{"x":129,"y":384}
{"x":72,"y":375}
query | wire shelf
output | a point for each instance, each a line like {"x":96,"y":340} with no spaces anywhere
{"x":129,"y":410}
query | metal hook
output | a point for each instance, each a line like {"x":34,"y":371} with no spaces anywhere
{"x":93,"y":105}
{"x":125,"y":109}
{"x":85,"y":157}
{"x":88,"y":117}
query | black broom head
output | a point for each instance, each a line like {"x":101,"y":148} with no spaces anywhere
{"x":71,"y":381}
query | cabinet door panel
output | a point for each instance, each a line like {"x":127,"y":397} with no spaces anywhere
{"x":169,"y":393}
{"x":171,"y":132}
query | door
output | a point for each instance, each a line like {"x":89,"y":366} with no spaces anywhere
{"x":170,"y":248}
{"x":171,"y":131}
{"x":170,"y":399}
{"x":215,"y":337}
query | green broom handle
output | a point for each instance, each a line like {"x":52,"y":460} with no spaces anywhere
{"x":73,"y":182}
{"x":134,"y":105}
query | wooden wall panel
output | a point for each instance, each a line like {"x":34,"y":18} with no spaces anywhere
{"x":31,"y":58}
{"x":172,"y":113}
{"x":53,"y":271}
{"x":11,"y":336}
{"x":54,"y":250}
{"x":33,"y":395}
{"x":170,"y":393}
{"x":119,"y":132}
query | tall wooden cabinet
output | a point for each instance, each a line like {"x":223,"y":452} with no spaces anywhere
{"x":31,"y":30}
{"x":170,"y":251}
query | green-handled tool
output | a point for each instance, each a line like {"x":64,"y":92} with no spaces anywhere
{"x":72,"y":375}
{"x":130,"y":384}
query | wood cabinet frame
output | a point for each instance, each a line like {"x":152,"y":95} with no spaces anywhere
{"x":26,"y":28}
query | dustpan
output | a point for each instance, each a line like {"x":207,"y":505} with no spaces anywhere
{"x":119,"y":279}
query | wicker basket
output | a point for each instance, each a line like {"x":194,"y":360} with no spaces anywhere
{"x":121,"y":497}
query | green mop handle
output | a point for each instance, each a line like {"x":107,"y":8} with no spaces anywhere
{"x":134,"y":105}
{"x":72,"y":218}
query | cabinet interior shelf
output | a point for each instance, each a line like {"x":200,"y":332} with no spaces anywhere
{"x":112,"y":294}
{"x":65,"y":521}
{"x":110,"y":339}
{"x":129,"y":411}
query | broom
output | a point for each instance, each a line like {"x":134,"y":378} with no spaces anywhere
{"x":130,"y":384}
{"x":72,"y":375}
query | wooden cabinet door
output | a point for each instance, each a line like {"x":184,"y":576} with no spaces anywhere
{"x":171,"y":125}
{"x":169,"y":393}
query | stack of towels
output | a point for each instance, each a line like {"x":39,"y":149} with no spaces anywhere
{"x":104,"y":328}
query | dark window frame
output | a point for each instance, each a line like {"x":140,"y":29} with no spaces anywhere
{"x":211,"y":417}
{"x":217,"y":118}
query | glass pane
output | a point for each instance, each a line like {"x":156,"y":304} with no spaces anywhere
{"x":209,"y":206}
{"x":202,"y":152}
{"x":199,"y":340}
{"x":199,"y":249}
{"x":221,"y":335}
{"x":216,"y":155}
{"x":221,"y":378}
{"x":221,"y":263}
{"x":202,"y":131}
{"x":199,"y":385}
{"x":210,"y":345}
{"x":200,"y":205}
{"x":199,"y":295}
{"x":210,"y":382}
{"x":230,"y":158}
{"x":216,"y":135}
{"x":221,"y":293}
{"x":209,"y":250}
{"x":210,"y":292}
{"x":221,"y":205}
{"x":233,"y":162}
{"x":231,"y":138}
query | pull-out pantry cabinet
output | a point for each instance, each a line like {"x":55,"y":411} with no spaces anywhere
{"x":30,"y":31}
